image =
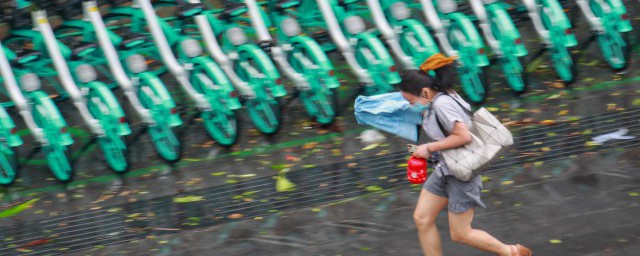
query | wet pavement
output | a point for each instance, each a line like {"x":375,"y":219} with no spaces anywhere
{"x":312,"y":190}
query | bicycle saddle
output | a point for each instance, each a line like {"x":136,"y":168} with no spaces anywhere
{"x":233,"y":10}
{"x":24,"y":56}
{"x":81,"y":49}
{"x":189,"y":9}
{"x":286,"y":4}
{"x":130,"y":40}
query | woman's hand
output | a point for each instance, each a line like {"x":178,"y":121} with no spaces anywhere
{"x":422,"y":151}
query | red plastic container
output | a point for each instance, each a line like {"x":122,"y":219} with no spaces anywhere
{"x":417,"y":170}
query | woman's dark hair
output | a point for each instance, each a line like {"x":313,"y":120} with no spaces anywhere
{"x":414,"y":80}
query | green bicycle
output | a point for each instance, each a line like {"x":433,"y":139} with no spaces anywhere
{"x":458,"y":37}
{"x":363,"y":50}
{"x":225,"y":35}
{"x":504,"y":39}
{"x":610,"y":24}
{"x":553,"y":26}
{"x":95,"y":102}
{"x":119,"y":60}
{"x":405,"y":35}
{"x":42,"y":117}
{"x":301,"y":56}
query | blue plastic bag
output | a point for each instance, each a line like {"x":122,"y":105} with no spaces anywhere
{"x":389,"y":112}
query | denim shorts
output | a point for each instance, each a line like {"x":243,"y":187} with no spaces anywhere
{"x":462,"y":195}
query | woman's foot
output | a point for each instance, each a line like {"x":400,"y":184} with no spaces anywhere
{"x":519,"y":250}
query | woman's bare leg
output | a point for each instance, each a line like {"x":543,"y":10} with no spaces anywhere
{"x":427,"y":209}
{"x":461,"y":232}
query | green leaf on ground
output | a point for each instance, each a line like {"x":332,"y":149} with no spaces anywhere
{"x":283,"y":184}
{"x":188,"y":199}
{"x":555,"y":241}
{"x":373,"y":188}
{"x":372,"y":146}
{"x":14,"y":210}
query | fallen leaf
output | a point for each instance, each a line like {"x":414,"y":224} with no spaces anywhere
{"x":611,"y":106}
{"x":188,"y":199}
{"x":372,"y":146}
{"x":36,"y":242}
{"x":283,"y":184}
{"x":236,"y":216}
{"x":373,"y":188}
{"x":548,"y":122}
{"x":507,"y":182}
{"x":11,"y":211}
{"x":591,"y":144}
{"x":634,"y":194}
{"x":555,"y":241}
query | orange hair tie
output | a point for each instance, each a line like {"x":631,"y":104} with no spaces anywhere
{"x":436,"y":61}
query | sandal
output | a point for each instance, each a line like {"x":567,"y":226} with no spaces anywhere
{"x":519,"y":250}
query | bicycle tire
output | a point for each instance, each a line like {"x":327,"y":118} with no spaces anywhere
{"x":8,"y":164}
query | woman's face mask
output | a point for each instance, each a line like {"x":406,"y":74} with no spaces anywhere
{"x":419,"y":107}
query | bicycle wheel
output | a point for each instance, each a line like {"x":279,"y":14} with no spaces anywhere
{"x":58,"y":160}
{"x":614,"y":49}
{"x":265,"y":115}
{"x":315,"y":100}
{"x":113,"y":148}
{"x":411,"y":44}
{"x":8,"y":164}
{"x":162,"y":136}
{"x":56,"y":154}
{"x":613,"y":44}
{"x":513,"y":73}
{"x":115,"y":153}
{"x":165,"y":142}
{"x":472,"y":78}
{"x":222,"y":126}
{"x":367,"y":60}
{"x":473,"y":82}
{"x":319,"y":106}
{"x":563,"y":63}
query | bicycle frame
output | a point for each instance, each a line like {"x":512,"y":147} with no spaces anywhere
{"x":503,"y":38}
{"x":458,"y":37}
{"x":146,"y":91}
{"x":553,"y":26}
{"x":246,"y":63}
{"x":8,"y":140}
{"x":42,"y":117}
{"x":609,"y":21}
{"x":302,"y":55}
{"x":93,"y":99}
{"x":407,"y":37}
{"x":364,"y":52}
